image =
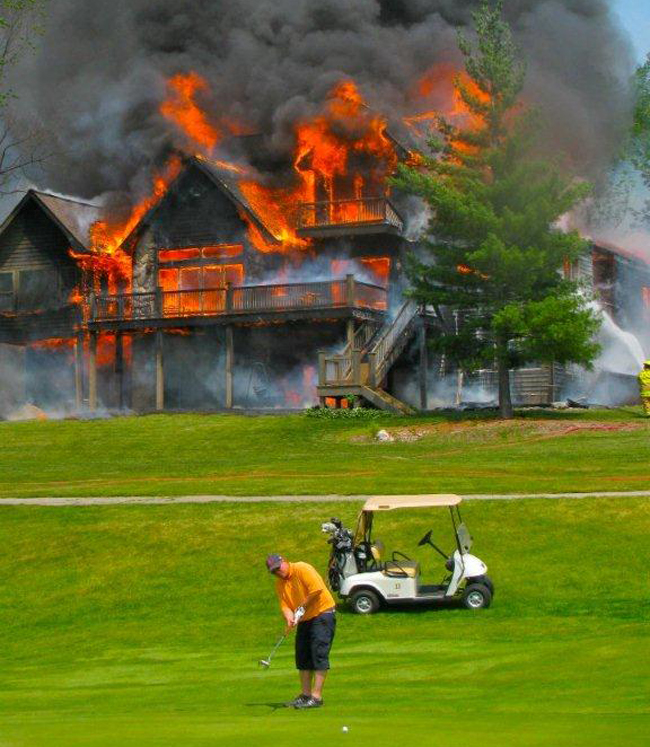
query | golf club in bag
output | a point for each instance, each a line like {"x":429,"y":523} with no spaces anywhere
{"x":341,"y":556}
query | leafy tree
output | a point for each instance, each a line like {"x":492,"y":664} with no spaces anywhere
{"x":640,"y":148}
{"x":21,"y":22}
{"x":495,"y":279}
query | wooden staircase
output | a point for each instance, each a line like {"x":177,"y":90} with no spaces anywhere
{"x":363,"y":366}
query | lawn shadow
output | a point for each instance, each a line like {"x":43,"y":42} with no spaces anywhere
{"x":404,"y":608}
{"x":273,"y":706}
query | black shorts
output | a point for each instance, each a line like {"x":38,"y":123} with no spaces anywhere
{"x":313,"y":642}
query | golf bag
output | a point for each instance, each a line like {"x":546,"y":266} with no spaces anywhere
{"x":341,"y":555}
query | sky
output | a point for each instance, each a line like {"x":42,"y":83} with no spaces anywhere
{"x":635,"y":18}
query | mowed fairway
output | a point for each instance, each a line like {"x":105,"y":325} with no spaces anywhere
{"x":237,"y":455}
{"x":142,"y":625}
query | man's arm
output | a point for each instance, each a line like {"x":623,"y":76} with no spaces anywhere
{"x":313,"y":585}
{"x":287,"y":613}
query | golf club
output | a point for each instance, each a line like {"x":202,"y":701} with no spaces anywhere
{"x":297,"y":616}
{"x":266,"y":663}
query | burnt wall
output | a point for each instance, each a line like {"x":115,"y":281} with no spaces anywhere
{"x":195,"y":213}
{"x":12,"y":378}
{"x":36,"y":272}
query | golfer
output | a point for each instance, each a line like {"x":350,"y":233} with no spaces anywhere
{"x":306,"y":605}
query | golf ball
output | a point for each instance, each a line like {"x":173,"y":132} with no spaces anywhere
{"x":345,"y":729}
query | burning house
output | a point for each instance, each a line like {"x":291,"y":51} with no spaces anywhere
{"x":248,"y":282}
{"x":260,"y":260}
{"x":222,"y":289}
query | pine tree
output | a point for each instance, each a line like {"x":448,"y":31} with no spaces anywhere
{"x":638,"y":151}
{"x":495,"y":276}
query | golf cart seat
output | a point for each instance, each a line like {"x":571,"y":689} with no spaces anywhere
{"x":401,"y":568}
{"x":377,"y":551}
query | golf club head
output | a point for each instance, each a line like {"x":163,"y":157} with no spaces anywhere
{"x":264,"y":663}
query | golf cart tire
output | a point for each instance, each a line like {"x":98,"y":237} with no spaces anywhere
{"x":485,"y":581}
{"x":364,"y":602}
{"x":476,"y":597}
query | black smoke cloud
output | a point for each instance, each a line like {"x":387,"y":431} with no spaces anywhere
{"x":97,"y":76}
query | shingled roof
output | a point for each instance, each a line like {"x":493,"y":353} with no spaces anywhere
{"x":73,"y":217}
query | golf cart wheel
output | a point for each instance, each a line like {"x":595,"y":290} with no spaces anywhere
{"x":476,"y":597}
{"x":485,"y":581}
{"x":364,"y":602}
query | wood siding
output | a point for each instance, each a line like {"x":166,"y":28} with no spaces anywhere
{"x":197,"y":213}
{"x":33,"y":241}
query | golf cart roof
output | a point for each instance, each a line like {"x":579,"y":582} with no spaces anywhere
{"x":391,"y":502}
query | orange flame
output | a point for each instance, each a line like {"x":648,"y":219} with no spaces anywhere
{"x":438,"y":87}
{"x":107,"y":258}
{"x":465,"y":270}
{"x":54,"y":343}
{"x":181,"y":108}
{"x":325,"y":168}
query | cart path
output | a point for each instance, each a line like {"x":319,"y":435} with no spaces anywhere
{"x":161,"y":500}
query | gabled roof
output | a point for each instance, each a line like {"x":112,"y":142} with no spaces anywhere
{"x":226,"y":182}
{"x":73,"y":217}
{"x":224,"y":178}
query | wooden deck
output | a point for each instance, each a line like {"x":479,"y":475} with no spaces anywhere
{"x":334,"y":299}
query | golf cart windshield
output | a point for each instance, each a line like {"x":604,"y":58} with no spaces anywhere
{"x":464,"y":538}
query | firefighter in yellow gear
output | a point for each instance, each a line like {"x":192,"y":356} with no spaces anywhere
{"x":644,"y":386}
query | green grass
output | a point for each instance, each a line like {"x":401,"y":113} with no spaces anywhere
{"x":239,"y":455}
{"x":141,"y":625}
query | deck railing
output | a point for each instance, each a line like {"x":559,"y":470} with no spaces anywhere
{"x":247,"y":299}
{"x":348,"y":212}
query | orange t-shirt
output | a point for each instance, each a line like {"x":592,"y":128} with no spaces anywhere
{"x":303,"y":580}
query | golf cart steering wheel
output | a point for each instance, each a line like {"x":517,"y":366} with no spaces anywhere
{"x":401,"y":555}
{"x":426,"y":539}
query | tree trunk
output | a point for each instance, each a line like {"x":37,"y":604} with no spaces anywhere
{"x":503,"y":366}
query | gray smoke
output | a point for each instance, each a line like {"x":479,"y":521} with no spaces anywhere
{"x":97,"y":77}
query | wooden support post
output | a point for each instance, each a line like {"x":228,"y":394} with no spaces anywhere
{"x":349,"y":290}
{"x":119,"y":368}
{"x":78,"y":375}
{"x":350,"y":333}
{"x":322,"y":368}
{"x":356,"y":367}
{"x":228,"y":303}
{"x":92,"y":373}
{"x":92,"y":306}
{"x":159,"y":310}
{"x":230,"y":355}
{"x":424,"y":367}
{"x":372,"y":370}
{"x":160,"y":372}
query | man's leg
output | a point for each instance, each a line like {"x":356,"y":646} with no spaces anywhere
{"x":305,"y":681}
{"x":321,"y":637}
{"x":319,"y":681}
{"x":646,"y":405}
{"x":304,"y":663}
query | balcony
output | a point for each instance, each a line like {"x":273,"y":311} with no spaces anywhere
{"x":259,"y":303}
{"x":345,"y":217}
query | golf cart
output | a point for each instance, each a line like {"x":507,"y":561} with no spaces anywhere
{"x":359,"y":574}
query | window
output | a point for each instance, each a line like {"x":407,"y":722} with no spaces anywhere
{"x":200,"y":278}
{"x":208,"y":283}
{"x":374,"y":270}
{"x":6,"y":292}
{"x":219,"y":251}
{"x":37,"y":289}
